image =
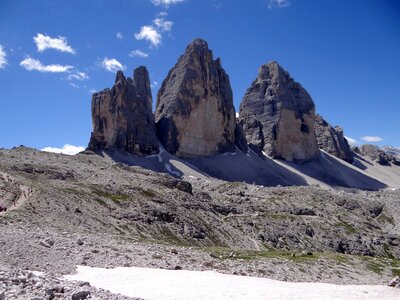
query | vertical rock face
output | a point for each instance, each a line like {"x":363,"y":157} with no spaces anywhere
{"x":332,"y":140}
{"x":278,"y":116}
{"x":195,"y":115}
{"x":122,"y":116}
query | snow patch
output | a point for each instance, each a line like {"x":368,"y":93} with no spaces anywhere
{"x":160,"y":284}
{"x":169,"y":169}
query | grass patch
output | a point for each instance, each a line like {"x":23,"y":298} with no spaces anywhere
{"x":226,"y":253}
{"x":118,"y":197}
{"x":348,"y":227}
{"x":382,"y":218}
{"x":148,"y":193}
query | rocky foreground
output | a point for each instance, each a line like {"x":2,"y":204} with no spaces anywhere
{"x":86,"y":209}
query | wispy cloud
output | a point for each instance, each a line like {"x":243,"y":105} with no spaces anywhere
{"x":112,"y":65}
{"x":119,"y":35}
{"x":150,"y":34}
{"x":76,"y":75}
{"x":166,"y":3}
{"x":153,"y":33}
{"x":351,"y":141}
{"x":163,"y":24}
{"x":138,"y":53}
{"x":44,"y":42}
{"x":66,"y":149}
{"x":92,"y":91}
{"x":32,"y":64}
{"x":372,"y":139}
{"x":3,"y":58}
{"x":278,"y":3}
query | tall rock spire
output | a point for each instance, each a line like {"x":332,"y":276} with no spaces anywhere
{"x":195,"y":115}
{"x":278,"y":116}
{"x":122,"y":116}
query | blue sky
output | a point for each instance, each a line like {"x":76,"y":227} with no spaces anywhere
{"x":54,"y":53}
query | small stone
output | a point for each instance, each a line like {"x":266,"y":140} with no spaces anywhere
{"x":82,"y":295}
{"x":395,"y":281}
{"x":177,"y":268}
{"x":2,"y":295}
{"x":78,"y":211}
{"x":84,"y":283}
{"x":157,"y":256}
{"x":174,"y":251}
{"x":79,"y":242}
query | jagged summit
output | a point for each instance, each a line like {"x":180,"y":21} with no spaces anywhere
{"x":195,"y":115}
{"x":278,"y":116}
{"x":122,"y":116}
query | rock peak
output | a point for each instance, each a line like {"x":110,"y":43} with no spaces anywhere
{"x":195,"y":115}
{"x":122,"y":116}
{"x":120,"y":76}
{"x":278,"y":116}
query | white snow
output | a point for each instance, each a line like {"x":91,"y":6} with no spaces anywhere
{"x":169,"y":169}
{"x":160,"y":284}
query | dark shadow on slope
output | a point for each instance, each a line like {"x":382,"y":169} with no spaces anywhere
{"x":334,"y":172}
{"x":359,"y":162}
{"x":248,"y":168}
{"x":234,"y":166}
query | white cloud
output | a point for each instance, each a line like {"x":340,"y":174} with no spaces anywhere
{"x":78,"y":76}
{"x":92,"y":91}
{"x":278,"y":3}
{"x":351,"y":141}
{"x":66,"y":149}
{"x":3,"y":58}
{"x":150,"y":34}
{"x":119,"y":35}
{"x":44,"y":42}
{"x":32,"y":64}
{"x":372,"y":139}
{"x":165,"y":2}
{"x":237,"y":115}
{"x":138,"y":53}
{"x":74,"y":85}
{"x":162,"y":24}
{"x":112,"y":65}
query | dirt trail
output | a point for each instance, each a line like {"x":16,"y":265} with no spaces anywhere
{"x":25,"y":193}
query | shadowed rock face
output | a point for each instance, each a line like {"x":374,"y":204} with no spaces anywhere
{"x":332,"y":140}
{"x":122,"y":116}
{"x":278,"y":116}
{"x":195,"y":115}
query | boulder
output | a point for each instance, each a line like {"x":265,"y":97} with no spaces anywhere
{"x":278,"y":116}
{"x":332,"y":140}
{"x":122,"y":116}
{"x":195,"y":115}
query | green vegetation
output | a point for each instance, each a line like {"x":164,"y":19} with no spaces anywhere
{"x":118,"y":197}
{"x":385,"y":219}
{"x":226,"y":253}
{"x":147,"y":193}
{"x":348,"y":227}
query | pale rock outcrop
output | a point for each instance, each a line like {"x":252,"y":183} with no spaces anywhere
{"x":332,"y":140}
{"x":195,"y":115}
{"x":377,"y":155}
{"x":122,"y":116}
{"x":278,"y":116}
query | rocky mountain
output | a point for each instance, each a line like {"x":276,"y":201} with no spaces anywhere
{"x":332,"y":140}
{"x":195,"y":115}
{"x":378,"y":155}
{"x":90,"y":210}
{"x":278,"y":116}
{"x":122,"y":116}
